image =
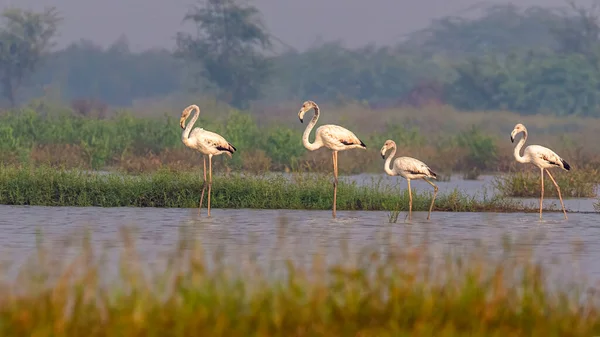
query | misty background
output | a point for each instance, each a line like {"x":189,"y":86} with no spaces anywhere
{"x":153,"y":23}
{"x":537,"y":57}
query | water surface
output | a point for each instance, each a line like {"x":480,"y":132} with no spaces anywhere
{"x":277,"y":234}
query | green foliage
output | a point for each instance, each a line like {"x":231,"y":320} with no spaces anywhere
{"x":114,"y":74}
{"x":283,"y":147}
{"x":59,"y":187}
{"x":401,"y":290}
{"x":227,"y":45}
{"x":531,"y":61}
{"x":573,"y":184}
{"x":481,"y":149}
{"x":24,"y":40}
{"x":104,"y":142}
{"x":101,"y":139}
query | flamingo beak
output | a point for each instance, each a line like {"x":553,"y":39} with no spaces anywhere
{"x":512,"y":139}
{"x":301,"y":115}
{"x":182,"y":122}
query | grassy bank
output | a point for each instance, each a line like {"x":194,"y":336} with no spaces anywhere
{"x":60,"y":187}
{"x":404,"y":292}
{"x":574,"y":184}
{"x":270,"y":140}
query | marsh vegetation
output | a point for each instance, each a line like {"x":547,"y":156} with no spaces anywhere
{"x":405,"y":289}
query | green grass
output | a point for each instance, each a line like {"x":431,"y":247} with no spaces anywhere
{"x":45,"y":133}
{"x":573,"y":184}
{"x":47,"y":186}
{"x":407,"y":291}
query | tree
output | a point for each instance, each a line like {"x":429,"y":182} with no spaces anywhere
{"x":228,"y":43}
{"x":24,"y":41}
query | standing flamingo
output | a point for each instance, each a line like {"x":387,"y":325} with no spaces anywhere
{"x":333,"y":137}
{"x":409,"y":168}
{"x":208,"y":143}
{"x":540,"y":156}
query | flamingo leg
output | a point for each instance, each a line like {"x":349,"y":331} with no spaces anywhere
{"x":409,"y":200}
{"x":209,"y":180}
{"x":435,"y":190}
{"x":203,"y":186}
{"x":335,"y":181}
{"x":559,"y":195}
{"x":542,"y":195}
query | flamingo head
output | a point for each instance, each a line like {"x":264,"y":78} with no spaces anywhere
{"x":184,"y":116}
{"x":518,"y":128}
{"x":386,"y":146}
{"x":305,"y":107}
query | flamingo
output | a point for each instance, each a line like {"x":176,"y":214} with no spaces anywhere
{"x":208,"y":143}
{"x":409,"y":168}
{"x":333,"y":137}
{"x":540,"y":156}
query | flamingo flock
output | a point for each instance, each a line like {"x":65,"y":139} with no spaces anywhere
{"x":337,"y":138}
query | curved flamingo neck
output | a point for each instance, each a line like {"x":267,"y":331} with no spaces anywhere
{"x":517,"y":152}
{"x":186,"y":132}
{"x":388,"y":161}
{"x":307,"y":144}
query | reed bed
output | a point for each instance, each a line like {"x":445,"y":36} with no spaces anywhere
{"x":573,"y":184}
{"x":408,"y":290}
{"x":269,"y":139}
{"x":46,"y":186}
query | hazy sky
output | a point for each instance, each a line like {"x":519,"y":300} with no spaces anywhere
{"x":153,"y":23}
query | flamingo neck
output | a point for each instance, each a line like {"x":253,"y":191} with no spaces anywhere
{"x":517,"y":152}
{"x":186,"y":132}
{"x":388,"y":161}
{"x":307,"y":144}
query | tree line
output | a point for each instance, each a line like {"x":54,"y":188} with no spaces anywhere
{"x":534,"y":60}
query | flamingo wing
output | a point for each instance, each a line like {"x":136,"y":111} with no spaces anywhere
{"x":337,"y":134}
{"x":414,"y":166}
{"x":548,"y":156}
{"x":212,"y":140}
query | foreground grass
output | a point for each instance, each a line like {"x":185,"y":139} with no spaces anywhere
{"x":574,"y":184}
{"x":403,"y":292}
{"x":55,"y":187}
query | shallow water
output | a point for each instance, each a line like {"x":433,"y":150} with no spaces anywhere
{"x":242,"y":233}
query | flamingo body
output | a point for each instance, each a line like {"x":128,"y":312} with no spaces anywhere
{"x":337,"y":138}
{"x":209,"y":143}
{"x":409,"y":168}
{"x":333,"y":137}
{"x":545,"y":158}
{"x":206,"y":142}
{"x":542,"y":157}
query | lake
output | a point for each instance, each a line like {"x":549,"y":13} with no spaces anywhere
{"x":274,"y":235}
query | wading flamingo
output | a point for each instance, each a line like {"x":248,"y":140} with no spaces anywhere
{"x":540,"y":156}
{"x":208,"y":143}
{"x":409,"y":168}
{"x":333,"y":137}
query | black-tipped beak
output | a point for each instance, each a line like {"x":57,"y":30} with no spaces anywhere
{"x":512,"y":139}
{"x":301,"y":120}
{"x":383,"y":156}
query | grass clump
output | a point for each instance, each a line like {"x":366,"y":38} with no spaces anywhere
{"x":47,"y":186}
{"x":573,"y":184}
{"x":405,"y":291}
